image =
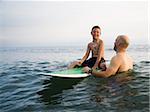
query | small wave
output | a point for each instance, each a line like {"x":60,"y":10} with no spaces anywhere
{"x":43,"y":63}
{"x":22,"y":82}
{"x":147,"y":62}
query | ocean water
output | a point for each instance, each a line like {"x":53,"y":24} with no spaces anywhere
{"x":23,"y":87}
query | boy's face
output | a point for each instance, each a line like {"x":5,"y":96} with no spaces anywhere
{"x":96,"y":33}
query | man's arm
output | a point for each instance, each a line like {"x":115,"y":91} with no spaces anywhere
{"x":111,"y":70}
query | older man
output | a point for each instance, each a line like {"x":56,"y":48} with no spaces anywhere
{"x":119,"y":63}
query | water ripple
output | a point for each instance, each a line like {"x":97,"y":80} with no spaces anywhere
{"x":24,"y":88}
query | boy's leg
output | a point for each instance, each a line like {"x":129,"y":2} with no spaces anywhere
{"x":102,"y":64}
{"x":90,"y":62}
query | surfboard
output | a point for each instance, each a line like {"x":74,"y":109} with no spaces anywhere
{"x":69,"y":73}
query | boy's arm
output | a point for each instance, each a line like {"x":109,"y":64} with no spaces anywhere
{"x":86,"y":55}
{"x":100,"y":52}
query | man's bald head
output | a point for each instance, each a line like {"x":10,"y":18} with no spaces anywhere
{"x":123,"y":41}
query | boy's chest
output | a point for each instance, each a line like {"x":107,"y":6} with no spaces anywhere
{"x":94,"y":46}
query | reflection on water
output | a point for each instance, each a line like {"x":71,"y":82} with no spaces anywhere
{"x":54,"y":87}
{"x":114,"y":93}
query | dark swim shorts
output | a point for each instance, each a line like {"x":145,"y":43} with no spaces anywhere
{"x":90,"y":62}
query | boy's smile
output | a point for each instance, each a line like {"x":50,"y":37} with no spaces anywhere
{"x":95,"y":33}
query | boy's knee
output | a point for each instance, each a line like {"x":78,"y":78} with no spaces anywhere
{"x":102,"y":66}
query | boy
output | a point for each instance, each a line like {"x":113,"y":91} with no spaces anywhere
{"x":96,"y":47}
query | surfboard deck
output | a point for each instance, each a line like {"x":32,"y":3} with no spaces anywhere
{"x":69,"y":73}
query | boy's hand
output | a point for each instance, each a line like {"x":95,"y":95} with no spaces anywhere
{"x":86,"y":69}
{"x":94,"y":67}
{"x":79,"y":63}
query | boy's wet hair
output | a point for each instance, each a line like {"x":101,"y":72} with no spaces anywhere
{"x":96,"y":27}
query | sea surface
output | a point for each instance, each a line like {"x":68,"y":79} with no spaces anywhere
{"x":24,"y":87}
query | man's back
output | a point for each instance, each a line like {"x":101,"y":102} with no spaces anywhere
{"x":125,"y":62}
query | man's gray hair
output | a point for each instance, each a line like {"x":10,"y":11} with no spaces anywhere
{"x":124,"y":40}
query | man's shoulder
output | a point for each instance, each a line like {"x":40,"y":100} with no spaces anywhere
{"x":116,"y":58}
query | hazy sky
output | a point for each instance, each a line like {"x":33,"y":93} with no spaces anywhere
{"x":69,"y":23}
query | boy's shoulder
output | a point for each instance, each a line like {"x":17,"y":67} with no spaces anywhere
{"x":100,"y":40}
{"x":90,"y":43}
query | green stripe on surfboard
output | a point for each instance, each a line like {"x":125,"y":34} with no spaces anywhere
{"x":70,"y":71}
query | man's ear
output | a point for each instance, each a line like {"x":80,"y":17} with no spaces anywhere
{"x":120,"y":44}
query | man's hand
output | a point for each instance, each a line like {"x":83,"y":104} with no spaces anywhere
{"x":86,"y":69}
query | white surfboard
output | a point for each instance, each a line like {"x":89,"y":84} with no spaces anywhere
{"x":69,"y":73}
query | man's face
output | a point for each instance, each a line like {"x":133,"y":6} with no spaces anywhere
{"x":115,"y":44}
{"x":115,"y":48}
{"x":95,"y":33}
